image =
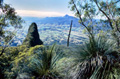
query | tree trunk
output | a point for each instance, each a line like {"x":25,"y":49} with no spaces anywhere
{"x":69,"y":34}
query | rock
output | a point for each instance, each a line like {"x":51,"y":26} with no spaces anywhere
{"x":32,"y":38}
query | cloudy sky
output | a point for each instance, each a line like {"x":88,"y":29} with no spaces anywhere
{"x":40,"y":8}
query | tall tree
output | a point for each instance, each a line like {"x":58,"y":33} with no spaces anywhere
{"x":108,"y":10}
{"x":8,"y":18}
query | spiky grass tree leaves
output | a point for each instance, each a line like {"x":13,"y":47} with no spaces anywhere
{"x":44,"y":63}
{"x":32,"y":38}
{"x":39,"y":61}
{"x":97,"y":59}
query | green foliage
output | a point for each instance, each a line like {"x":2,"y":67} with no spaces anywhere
{"x":8,"y":17}
{"x":65,"y":67}
{"x":85,"y":11}
{"x":32,"y":38}
{"x":7,"y":59}
{"x":89,"y":10}
{"x":97,"y":59}
{"x":38,"y":61}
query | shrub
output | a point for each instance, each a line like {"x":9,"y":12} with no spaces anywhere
{"x":6,"y":60}
{"x":39,"y":61}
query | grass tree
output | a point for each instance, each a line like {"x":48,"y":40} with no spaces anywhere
{"x":39,"y":61}
{"x":97,"y":60}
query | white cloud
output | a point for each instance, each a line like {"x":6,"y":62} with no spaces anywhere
{"x":39,"y":13}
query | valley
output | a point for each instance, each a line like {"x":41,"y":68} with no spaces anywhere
{"x":53,"y":31}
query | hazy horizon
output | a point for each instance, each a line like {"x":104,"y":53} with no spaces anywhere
{"x":40,"y":8}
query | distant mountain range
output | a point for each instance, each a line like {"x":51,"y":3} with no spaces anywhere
{"x":65,"y":20}
{"x":55,"y":30}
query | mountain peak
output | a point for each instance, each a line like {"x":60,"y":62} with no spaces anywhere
{"x":66,"y":15}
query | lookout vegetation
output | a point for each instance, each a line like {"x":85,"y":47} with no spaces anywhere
{"x":97,"y":58}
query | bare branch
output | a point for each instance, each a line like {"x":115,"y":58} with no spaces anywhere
{"x":80,"y":17}
{"x":105,"y":15}
{"x":69,"y":33}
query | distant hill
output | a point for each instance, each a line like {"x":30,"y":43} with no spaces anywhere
{"x":55,"y":30}
{"x":65,"y":20}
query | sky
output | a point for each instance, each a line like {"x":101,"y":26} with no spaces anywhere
{"x":40,"y":8}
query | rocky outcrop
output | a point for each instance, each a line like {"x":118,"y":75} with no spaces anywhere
{"x":32,"y":38}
